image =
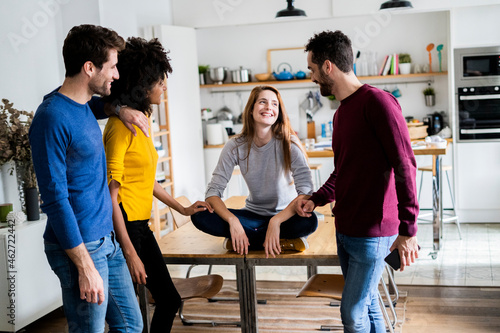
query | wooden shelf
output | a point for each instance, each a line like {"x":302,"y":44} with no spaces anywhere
{"x":160,"y":133}
{"x":408,"y":78}
{"x":166,"y":184}
{"x":164,"y":159}
{"x":165,"y":163}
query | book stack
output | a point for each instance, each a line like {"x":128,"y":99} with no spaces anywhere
{"x":390,"y":65}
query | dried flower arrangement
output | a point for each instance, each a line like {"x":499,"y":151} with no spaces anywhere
{"x":14,"y":142}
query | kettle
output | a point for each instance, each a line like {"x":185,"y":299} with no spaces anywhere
{"x":284,"y":74}
{"x":434,"y":122}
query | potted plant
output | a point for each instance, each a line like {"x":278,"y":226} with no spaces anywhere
{"x":430,"y":96}
{"x":334,"y":103}
{"x":15,"y":146}
{"x":404,"y":63}
{"x":202,"y":70}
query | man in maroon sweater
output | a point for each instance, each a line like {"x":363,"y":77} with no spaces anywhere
{"x":373,"y":183}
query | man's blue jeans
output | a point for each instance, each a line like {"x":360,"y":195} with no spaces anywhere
{"x":120,"y":308}
{"x":362,"y":263}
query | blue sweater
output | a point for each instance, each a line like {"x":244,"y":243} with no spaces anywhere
{"x":70,"y":165}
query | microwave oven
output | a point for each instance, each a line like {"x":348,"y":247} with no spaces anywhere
{"x":477,"y":87}
{"x":477,"y":66}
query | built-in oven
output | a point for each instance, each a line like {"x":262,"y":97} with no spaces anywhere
{"x":477,"y":84}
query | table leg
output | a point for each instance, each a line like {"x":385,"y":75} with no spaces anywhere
{"x":437,"y":206}
{"x":245,"y":276}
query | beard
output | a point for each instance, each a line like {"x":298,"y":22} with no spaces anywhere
{"x":325,"y":84}
{"x":100,"y":86}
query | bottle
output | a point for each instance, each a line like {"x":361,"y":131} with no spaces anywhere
{"x":323,"y":130}
{"x":329,"y":129}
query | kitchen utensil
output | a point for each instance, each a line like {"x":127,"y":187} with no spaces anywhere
{"x":396,"y":92}
{"x":284,"y":74}
{"x":224,"y":114}
{"x":439,"y":48}
{"x":240,"y":75}
{"x":355,"y":60}
{"x":263,"y":76}
{"x":218,"y":74}
{"x":429,"y":48}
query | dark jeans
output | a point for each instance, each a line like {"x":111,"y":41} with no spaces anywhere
{"x":255,"y":226}
{"x":159,"y":282}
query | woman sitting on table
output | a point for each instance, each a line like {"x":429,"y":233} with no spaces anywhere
{"x":131,"y":162}
{"x":274,"y":166}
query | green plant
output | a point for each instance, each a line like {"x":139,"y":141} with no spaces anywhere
{"x":202,"y":69}
{"x":331,"y":97}
{"x":429,"y":91}
{"x":404,"y":58}
{"x":14,"y":141}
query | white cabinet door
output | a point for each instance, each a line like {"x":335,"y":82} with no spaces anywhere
{"x":29,"y":286}
{"x":478,"y":181}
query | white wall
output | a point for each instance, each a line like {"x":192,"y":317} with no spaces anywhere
{"x":31,"y":38}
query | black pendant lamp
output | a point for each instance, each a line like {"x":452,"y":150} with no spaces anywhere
{"x":396,"y":4}
{"x":290,"y":11}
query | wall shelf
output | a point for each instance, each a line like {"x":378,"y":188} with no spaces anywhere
{"x":307,"y":83}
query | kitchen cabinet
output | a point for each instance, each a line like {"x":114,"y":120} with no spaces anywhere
{"x":28,"y":288}
{"x":478,"y":180}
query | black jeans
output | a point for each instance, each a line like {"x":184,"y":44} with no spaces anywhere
{"x":159,"y":282}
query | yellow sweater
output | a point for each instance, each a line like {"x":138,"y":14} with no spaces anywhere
{"x":131,"y":161}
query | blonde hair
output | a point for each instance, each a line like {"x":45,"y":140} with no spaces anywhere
{"x":281,"y":129}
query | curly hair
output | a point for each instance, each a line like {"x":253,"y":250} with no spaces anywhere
{"x":141,"y":65}
{"x":89,"y":42}
{"x":333,"y":46}
{"x":281,"y":129}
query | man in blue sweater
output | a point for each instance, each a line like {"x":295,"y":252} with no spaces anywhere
{"x":70,"y":165}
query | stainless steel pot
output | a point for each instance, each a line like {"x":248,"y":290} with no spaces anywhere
{"x":240,"y":75}
{"x":218,"y":74}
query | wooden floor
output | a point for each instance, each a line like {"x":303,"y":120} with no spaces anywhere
{"x":429,"y":309}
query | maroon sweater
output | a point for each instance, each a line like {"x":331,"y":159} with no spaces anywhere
{"x":373,"y":182}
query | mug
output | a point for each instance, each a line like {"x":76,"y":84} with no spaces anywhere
{"x":396,"y":93}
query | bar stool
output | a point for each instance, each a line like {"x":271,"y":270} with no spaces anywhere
{"x":450,"y":216}
{"x":317,"y":178}
{"x":316,"y":174}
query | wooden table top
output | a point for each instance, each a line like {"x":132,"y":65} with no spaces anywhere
{"x":187,"y":242}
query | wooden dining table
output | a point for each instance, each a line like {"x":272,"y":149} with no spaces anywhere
{"x":188,"y":245}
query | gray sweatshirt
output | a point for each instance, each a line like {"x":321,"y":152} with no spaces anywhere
{"x":270,"y":189}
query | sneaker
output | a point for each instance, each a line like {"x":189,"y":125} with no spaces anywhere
{"x":228,"y":244}
{"x":294,"y":244}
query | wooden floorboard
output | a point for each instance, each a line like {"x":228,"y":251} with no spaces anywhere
{"x":429,"y":309}
{"x":452,"y":309}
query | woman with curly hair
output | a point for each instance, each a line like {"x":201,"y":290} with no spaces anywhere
{"x":131,"y":163}
{"x":274,"y":166}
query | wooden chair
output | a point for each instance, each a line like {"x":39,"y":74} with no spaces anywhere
{"x":183,"y":286}
{"x":332,"y":285}
{"x":205,"y":286}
